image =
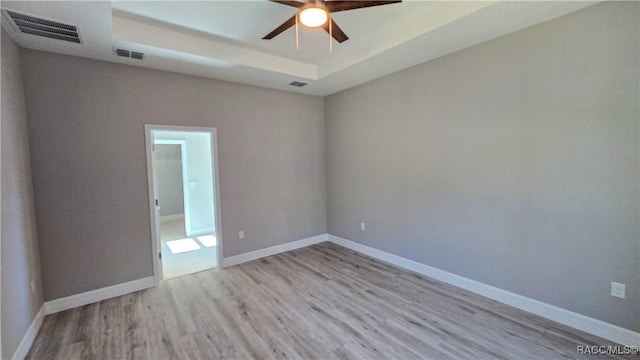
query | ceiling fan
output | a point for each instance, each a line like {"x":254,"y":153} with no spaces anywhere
{"x":316,"y":13}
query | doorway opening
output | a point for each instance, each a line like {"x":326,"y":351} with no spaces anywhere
{"x":183,"y":187}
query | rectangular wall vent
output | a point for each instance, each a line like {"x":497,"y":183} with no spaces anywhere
{"x":128,"y":53}
{"x":46,"y":28}
{"x":123,"y":52}
{"x":297,"y":83}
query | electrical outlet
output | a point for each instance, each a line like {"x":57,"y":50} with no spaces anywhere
{"x":363,"y":226}
{"x":618,"y":290}
{"x":241,"y":234}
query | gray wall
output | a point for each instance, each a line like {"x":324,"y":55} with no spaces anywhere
{"x":514,"y":162}
{"x":168,"y":166}
{"x":20,"y":260}
{"x":88,"y":157}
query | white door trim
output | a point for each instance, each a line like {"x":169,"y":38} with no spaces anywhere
{"x":185,"y":179}
{"x":154,"y":214}
{"x":153,"y":211}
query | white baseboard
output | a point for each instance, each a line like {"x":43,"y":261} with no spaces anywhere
{"x":198,"y":232}
{"x":171,"y":217}
{"x":27,"y":340}
{"x":254,"y":255}
{"x":581,"y":322}
{"x":92,"y":296}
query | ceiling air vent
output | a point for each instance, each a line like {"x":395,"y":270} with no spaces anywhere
{"x":41,"y":27}
{"x":128,"y":53}
{"x":297,"y":83}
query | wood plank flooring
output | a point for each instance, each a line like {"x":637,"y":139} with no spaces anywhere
{"x":320,"y":302}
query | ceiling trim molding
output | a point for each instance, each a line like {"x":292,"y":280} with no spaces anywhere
{"x":149,"y":32}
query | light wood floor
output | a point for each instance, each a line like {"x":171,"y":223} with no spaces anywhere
{"x":320,"y":302}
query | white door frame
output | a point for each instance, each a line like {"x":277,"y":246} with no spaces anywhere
{"x":153,"y":191}
{"x":185,"y":178}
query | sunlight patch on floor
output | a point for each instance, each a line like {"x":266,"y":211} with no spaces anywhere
{"x":207,"y":240}
{"x":182,"y":245}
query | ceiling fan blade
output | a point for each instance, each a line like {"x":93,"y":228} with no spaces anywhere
{"x":337,"y":33}
{"x":293,"y":3}
{"x":285,"y":25}
{"x":340,"y":5}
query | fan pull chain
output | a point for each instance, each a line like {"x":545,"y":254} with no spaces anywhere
{"x":330,"y":35}
{"x":297,"y":45}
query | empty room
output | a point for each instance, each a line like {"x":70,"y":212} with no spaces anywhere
{"x":320,"y":179}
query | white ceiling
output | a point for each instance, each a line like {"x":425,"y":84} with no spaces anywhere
{"x":223,"y":39}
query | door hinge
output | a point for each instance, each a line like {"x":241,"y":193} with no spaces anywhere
{"x":153,"y":147}
{"x":160,"y":255}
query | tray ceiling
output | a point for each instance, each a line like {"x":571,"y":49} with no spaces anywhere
{"x":223,"y":39}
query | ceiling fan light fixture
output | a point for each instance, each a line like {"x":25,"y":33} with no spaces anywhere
{"x":313,"y":17}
